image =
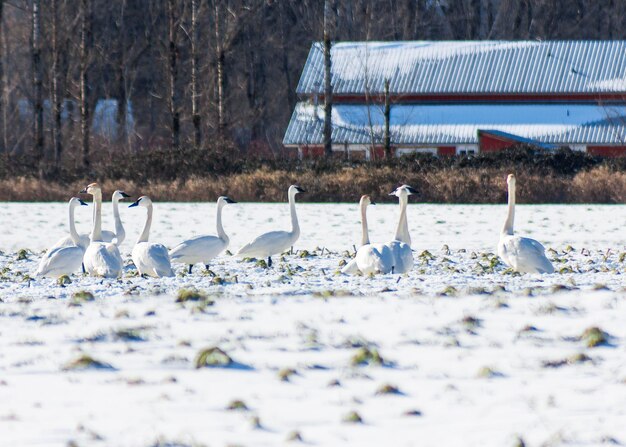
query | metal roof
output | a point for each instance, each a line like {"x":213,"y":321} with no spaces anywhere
{"x":469,"y":67}
{"x":559,"y":124}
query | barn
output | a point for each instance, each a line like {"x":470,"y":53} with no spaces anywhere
{"x":464,"y":97}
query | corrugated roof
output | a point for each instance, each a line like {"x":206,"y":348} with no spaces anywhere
{"x":476,"y":67}
{"x":458,"y":124}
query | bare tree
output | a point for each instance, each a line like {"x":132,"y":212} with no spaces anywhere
{"x":56,"y":97}
{"x":85,"y":44}
{"x":173,"y":72}
{"x":37,"y":80}
{"x":195,"y":112}
{"x":328,"y":88}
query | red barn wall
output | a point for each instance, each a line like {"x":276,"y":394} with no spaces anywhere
{"x":607,"y":151}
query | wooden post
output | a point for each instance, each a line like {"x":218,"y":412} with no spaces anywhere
{"x":387,"y":136}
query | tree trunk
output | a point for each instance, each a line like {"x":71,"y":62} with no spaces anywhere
{"x":328,"y":88}
{"x":122,"y":95}
{"x":3,"y":105}
{"x":56,"y":100}
{"x":219,"y":63}
{"x":195,"y":110}
{"x":291,"y":99}
{"x":173,"y":74}
{"x":85,"y":40}
{"x":387,"y":113}
{"x":37,"y":81}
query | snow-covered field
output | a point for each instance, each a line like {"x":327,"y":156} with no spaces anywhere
{"x":460,"y":351}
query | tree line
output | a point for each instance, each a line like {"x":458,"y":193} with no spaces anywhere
{"x":83,"y":80}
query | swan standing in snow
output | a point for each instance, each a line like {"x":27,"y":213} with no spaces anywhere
{"x":275,"y":242}
{"x":101,"y":258}
{"x":401,"y":245}
{"x":150,"y":259}
{"x":62,"y":258}
{"x":119,"y":235}
{"x":369,"y":258}
{"x":203,"y":248}
{"x":522,"y":254}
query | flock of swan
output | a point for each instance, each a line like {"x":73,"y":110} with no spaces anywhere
{"x":98,"y":253}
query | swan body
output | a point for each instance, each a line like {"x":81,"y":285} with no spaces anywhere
{"x":275,"y":242}
{"x":202,"y":249}
{"x":149,"y":258}
{"x":522,"y":254}
{"x":369,"y":258}
{"x":101,"y":258}
{"x":64,"y":259}
{"x":400,"y":247}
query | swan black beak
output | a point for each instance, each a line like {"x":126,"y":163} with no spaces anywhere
{"x":126,"y":196}
{"x":229,"y":200}
{"x":411,"y":190}
{"x":299,"y":189}
{"x":83,"y":191}
{"x":82,"y":203}
{"x":135,"y":203}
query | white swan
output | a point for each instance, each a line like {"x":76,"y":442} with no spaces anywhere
{"x":274,"y":242}
{"x":522,"y":254}
{"x":64,"y":259}
{"x":369,"y":258}
{"x":101,"y":258}
{"x":401,"y":245}
{"x":203,"y":248}
{"x":150,"y":259}
{"x":119,"y":235}
{"x":107,"y":236}
{"x":69,"y":241}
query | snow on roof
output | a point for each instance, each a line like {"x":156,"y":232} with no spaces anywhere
{"x":431,"y":67}
{"x":459,"y":124}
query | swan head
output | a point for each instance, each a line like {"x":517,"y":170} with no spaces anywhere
{"x":403,"y":191}
{"x":92,"y":188}
{"x":141,"y":201}
{"x":510,"y":180}
{"x":223,"y":200}
{"x":75,"y":201}
{"x":366,"y":200}
{"x":119,"y":195}
{"x":295,"y":189}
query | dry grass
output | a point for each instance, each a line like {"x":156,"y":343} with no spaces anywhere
{"x":445,"y":185}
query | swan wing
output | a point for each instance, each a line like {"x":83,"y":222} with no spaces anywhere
{"x":351,"y":268}
{"x":103,"y":259}
{"x":198,"y":249}
{"x":374,"y":258}
{"x":524,"y":255}
{"x":60,"y":261}
{"x":268,"y":244}
{"x":159,"y":259}
{"x":402,"y":256}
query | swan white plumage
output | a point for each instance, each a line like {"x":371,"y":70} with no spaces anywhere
{"x":202,"y":249}
{"x":149,"y":258}
{"x":64,"y":259}
{"x":275,"y":242}
{"x":401,"y":245}
{"x":101,"y":258}
{"x":369,"y":258}
{"x":522,"y":254}
{"x":107,"y":236}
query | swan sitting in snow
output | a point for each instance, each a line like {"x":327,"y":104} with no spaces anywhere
{"x":401,"y":245}
{"x":150,"y":259}
{"x":64,"y":259}
{"x":201,"y":249}
{"x":522,"y":254}
{"x":275,"y":242}
{"x":101,"y":258}
{"x":369,"y":258}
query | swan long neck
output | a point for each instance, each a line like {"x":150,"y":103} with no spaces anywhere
{"x":73,"y":232}
{"x":119,"y":228}
{"x":295,"y":228}
{"x":218,"y":223}
{"x":365,"y":238}
{"x":510,"y":217}
{"x":402,"y":232}
{"x":96,"y":231}
{"x":145,"y":234}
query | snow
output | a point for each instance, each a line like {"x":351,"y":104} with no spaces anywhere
{"x":437,"y":328}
